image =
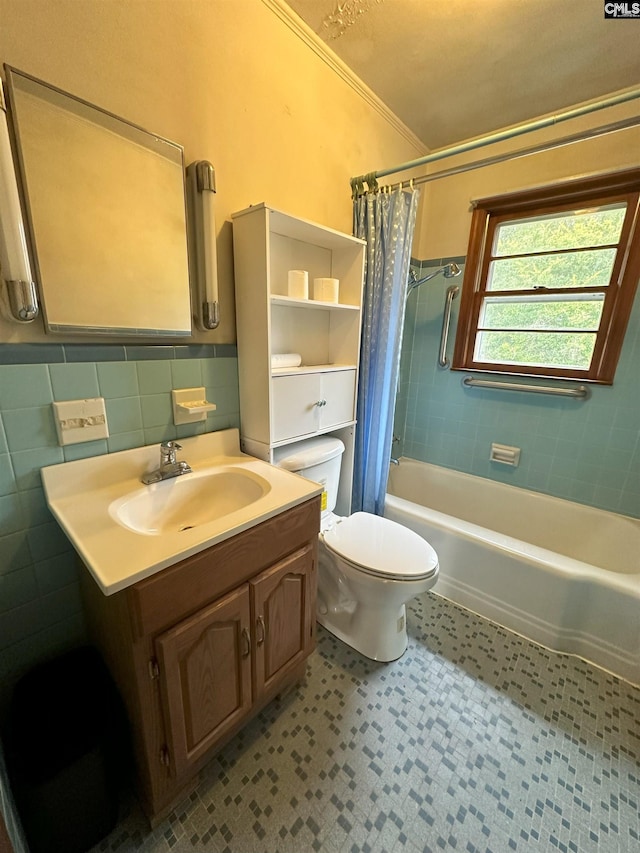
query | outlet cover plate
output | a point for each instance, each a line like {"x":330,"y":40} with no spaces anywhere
{"x":80,"y":420}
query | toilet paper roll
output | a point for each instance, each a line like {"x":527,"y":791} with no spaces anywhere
{"x":326,"y":289}
{"x":285,"y":359}
{"x":298,"y":284}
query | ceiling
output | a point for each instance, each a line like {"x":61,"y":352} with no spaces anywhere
{"x":457,"y":69}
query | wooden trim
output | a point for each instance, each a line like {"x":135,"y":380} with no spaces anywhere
{"x":625,"y":296}
{"x":463,"y":348}
{"x":575,"y":190}
{"x":549,"y":252}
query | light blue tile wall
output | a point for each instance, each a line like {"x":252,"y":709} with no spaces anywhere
{"x":585,"y":451}
{"x":40,"y":608}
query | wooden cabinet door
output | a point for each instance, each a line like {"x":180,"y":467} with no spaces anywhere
{"x":338,"y":397}
{"x":205,"y":671}
{"x":283,"y":611}
{"x":295,"y":405}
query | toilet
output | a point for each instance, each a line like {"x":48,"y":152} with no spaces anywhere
{"x":368,"y":567}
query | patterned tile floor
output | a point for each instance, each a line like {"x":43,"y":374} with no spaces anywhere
{"x":475,"y":740}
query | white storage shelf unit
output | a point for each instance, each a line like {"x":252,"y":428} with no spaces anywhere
{"x":323,"y":333}
{"x":285,"y":405}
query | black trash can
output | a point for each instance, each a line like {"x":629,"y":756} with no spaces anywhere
{"x":67,"y":752}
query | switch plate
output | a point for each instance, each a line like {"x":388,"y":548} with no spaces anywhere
{"x":80,"y":420}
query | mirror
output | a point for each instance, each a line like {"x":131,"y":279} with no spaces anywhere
{"x":106,"y":210}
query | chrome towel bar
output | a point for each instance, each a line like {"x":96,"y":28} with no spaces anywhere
{"x":580,"y":392}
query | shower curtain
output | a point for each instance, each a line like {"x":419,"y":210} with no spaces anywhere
{"x":386,"y":222}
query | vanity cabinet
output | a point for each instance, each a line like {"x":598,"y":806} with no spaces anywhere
{"x":211,"y":678}
{"x":280,"y":406}
{"x":200,"y":647}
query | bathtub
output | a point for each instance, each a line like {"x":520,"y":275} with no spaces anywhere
{"x":559,"y":573}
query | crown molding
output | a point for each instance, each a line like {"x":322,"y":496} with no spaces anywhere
{"x":313,"y":41}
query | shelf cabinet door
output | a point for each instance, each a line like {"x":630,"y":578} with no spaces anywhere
{"x":338,"y":394}
{"x":295,"y":405}
{"x":205,"y":666}
{"x":283,"y":599}
{"x":307,"y":403}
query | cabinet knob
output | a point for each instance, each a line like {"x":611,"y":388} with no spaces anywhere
{"x":246,"y":641}
{"x":260,"y":630}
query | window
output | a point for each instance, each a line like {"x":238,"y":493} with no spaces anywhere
{"x":550,"y":280}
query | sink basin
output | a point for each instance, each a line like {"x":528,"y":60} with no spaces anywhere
{"x":184,"y":502}
{"x":125,"y":532}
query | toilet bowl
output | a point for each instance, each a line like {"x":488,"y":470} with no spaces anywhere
{"x":368,"y":567}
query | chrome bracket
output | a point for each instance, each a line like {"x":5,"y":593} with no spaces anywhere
{"x":23,"y":300}
{"x":210,"y":315}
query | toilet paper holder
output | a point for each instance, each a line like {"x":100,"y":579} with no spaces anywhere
{"x":505,"y":454}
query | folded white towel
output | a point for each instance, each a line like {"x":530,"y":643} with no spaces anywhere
{"x":286,"y":359}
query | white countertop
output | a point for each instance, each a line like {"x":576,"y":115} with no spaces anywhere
{"x":80,"y":494}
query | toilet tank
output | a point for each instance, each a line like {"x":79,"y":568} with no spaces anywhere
{"x":317,"y":459}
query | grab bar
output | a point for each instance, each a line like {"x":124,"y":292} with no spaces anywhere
{"x":580,"y":392}
{"x":452,"y":292}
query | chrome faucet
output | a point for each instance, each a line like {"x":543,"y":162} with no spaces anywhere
{"x":169,"y":465}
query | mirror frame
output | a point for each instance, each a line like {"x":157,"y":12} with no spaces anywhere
{"x":134,"y":134}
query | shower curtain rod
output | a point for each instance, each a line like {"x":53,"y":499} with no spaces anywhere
{"x":519,"y":130}
{"x":592,"y":133}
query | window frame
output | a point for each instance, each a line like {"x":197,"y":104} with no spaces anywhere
{"x":489,"y":213}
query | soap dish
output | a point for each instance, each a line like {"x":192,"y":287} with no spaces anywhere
{"x":196,"y":406}
{"x":190,"y":406}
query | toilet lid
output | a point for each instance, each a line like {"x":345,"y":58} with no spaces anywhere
{"x":382,"y":547}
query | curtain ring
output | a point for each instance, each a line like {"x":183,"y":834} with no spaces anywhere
{"x":357,"y":186}
{"x":372,"y":183}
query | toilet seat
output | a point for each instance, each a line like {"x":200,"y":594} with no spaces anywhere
{"x":381,"y":547}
